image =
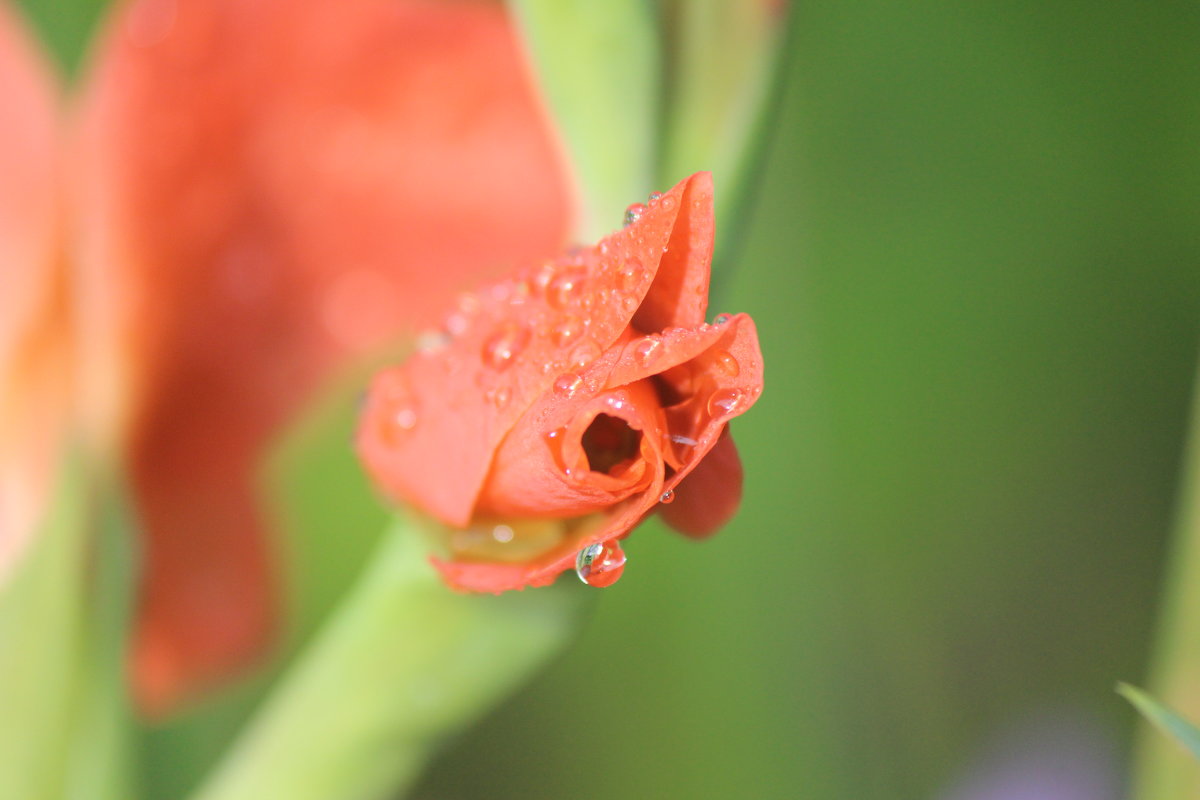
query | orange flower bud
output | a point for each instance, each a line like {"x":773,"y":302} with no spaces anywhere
{"x":562,"y":405}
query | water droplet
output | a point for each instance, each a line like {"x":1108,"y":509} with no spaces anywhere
{"x":616,"y":401}
{"x":468,"y":304}
{"x":630,"y":275}
{"x":721,"y":319}
{"x":502,"y":534}
{"x":654,"y":197}
{"x":667,"y":203}
{"x":648,"y":350}
{"x":585,"y":354}
{"x":634,"y":213}
{"x":567,"y":331}
{"x":544,"y":276}
{"x":497,"y":397}
{"x":456,"y":324}
{"x":398,"y":421}
{"x":600,"y":564}
{"x":667,"y":497}
{"x":685,"y":440}
{"x":564,"y":288}
{"x":724,"y":402}
{"x":567,"y":385}
{"x":726,"y":363}
{"x":629,"y":304}
{"x":505,"y":345}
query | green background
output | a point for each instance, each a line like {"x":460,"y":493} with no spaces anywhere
{"x":973,"y":266}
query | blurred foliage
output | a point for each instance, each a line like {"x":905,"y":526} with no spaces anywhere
{"x":1170,"y":723}
{"x":973,"y":269}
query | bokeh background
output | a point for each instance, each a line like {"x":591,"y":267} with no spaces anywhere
{"x":973,"y":265}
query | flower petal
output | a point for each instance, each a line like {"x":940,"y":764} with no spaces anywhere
{"x":679,"y":295}
{"x":542,"y":469}
{"x":34,"y":333}
{"x":505,"y":348}
{"x":266,"y":190}
{"x":710,"y":495}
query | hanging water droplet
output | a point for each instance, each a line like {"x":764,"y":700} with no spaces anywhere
{"x":647,"y":350}
{"x":667,"y":497}
{"x":654,"y":197}
{"x":505,"y":345}
{"x":600,"y":564}
{"x":568,"y":385}
{"x":724,"y":402}
{"x":726,"y":363}
{"x":567,"y":331}
{"x":634,"y":213}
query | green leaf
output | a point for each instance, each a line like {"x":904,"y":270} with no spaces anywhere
{"x":724,"y":62}
{"x":598,"y":65}
{"x":403,"y":664}
{"x":1176,"y":726}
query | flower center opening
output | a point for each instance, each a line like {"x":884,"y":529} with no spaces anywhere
{"x":609,"y":442}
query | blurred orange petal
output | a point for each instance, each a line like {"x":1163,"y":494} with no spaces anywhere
{"x":33,"y":309}
{"x":266,"y":190}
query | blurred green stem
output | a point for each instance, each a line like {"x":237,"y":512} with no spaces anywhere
{"x":1163,"y":770}
{"x":402,"y":664}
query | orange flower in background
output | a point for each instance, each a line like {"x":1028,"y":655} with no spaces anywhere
{"x":34,"y":332}
{"x":257,"y":194}
{"x":562,"y":405}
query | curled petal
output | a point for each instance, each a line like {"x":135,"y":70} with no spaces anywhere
{"x":609,"y":449}
{"x":708,"y":497}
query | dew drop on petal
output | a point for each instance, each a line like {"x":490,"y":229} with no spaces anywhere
{"x":629,"y":304}
{"x":667,"y":203}
{"x":648,"y":350}
{"x":567,"y":385}
{"x":721,"y":319}
{"x":630,"y":274}
{"x":726,"y":363}
{"x":667,"y":497}
{"x":724,"y":402}
{"x":502,"y":534}
{"x":585,"y":354}
{"x":600,"y":564}
{"x":504,"y":345}
{"x":498,"y":397}
{"x":654,"y":197}
{"x":634,"y":213}
{"x":564,"y":288}
{"x":567,"y":331}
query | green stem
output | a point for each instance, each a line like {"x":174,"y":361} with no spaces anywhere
{"x":402,"y":664}
{"x":1163,"y":771}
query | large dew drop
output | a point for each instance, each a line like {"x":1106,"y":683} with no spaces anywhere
{"x":724,"y":402}
{"x":600,"y":564}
